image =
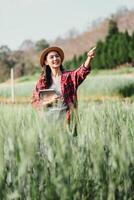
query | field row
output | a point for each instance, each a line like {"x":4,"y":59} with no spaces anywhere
{"x":100,"y":85}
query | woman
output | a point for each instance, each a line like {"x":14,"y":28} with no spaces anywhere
{"x":65,"y":83}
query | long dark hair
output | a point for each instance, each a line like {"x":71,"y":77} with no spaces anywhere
{"x":46,"y":74}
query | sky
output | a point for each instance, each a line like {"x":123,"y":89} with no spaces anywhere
{"x":49,"y":19}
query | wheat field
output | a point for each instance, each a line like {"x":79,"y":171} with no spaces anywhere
{"x":41,"y":159}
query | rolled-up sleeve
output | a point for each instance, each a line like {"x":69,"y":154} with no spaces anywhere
{"x":80,"y":74}
{"x":36,"y":102}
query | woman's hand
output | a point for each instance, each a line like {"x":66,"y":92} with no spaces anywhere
{"x":90,"y":56}
{"x":51,"y":100}
{"x":91,"y":53}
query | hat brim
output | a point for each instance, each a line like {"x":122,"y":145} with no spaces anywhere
{"x":47,"y":50}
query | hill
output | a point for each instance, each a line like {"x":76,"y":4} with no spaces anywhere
{"x":87,"y":39}
{"x":25,"y":61}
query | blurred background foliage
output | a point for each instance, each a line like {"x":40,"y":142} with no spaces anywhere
{"x":115,"y":50}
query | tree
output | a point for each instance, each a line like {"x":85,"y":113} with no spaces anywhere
{"x":74,"y":62}
{"x":97,"y":62}
{"x":123,"y":50}
{"x":41,"y":44}
{"x":5,"y":62}
{"x":4,"y":53}
{"x":131,"y":48}
{"x":6,"y":57}
{"x":67,"y":64}
{"x":4,"y":49}
{"x":113,"y":29}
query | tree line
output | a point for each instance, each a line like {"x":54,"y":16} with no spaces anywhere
{"x":117,"y":49}
{"x":23,"y":62}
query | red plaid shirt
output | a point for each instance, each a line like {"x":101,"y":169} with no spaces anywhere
{"x":70,"y":80}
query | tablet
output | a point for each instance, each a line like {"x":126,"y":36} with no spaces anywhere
{"x":47,"y":93}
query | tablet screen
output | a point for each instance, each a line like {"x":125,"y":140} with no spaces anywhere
{"x":46,"y":93}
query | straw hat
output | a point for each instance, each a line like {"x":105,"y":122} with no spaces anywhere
{"x":47,"y":50}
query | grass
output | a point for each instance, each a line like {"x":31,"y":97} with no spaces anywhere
{"x":28,"y":78}
{"x":112,"y":85}
{"x":126,"y":69}
{"x":23,"y":89}
{"x":42,"y":160}
{"x":100,"y":85}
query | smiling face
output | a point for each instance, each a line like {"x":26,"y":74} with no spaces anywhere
{"x":53,"y":59}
